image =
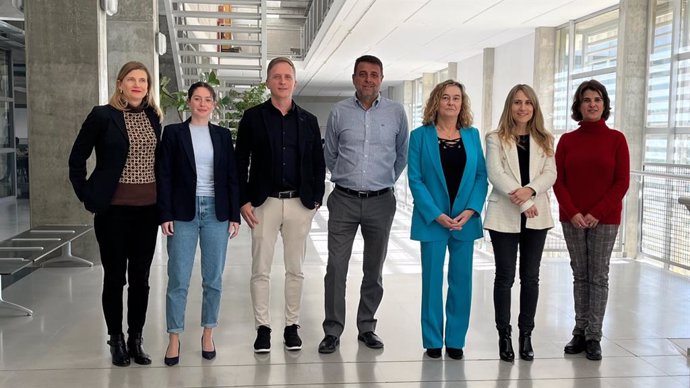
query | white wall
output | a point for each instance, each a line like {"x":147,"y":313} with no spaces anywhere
{"x":470,"y":74}
{"x":513,"y":64}
{"x":319,"y":107}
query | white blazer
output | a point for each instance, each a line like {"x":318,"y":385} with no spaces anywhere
{"x":503,"y":168}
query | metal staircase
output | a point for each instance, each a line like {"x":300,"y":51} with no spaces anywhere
{"x":225,"y":36}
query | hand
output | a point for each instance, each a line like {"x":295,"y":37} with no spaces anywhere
{"x":591,"y":221}
{"x":448,"y":222}
{"x":519,"y":196}
{"x":464,"y":217}
{"x":531,"y":212}
{"x":578,"y":221}
{"x":247,"y":211}
{"x":233,"y":229}
{"x":167,"y":228}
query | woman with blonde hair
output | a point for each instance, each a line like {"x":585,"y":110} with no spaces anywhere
{"x":447,"y":177}
{"x":521,"y":167}
{"x":121,"y":192}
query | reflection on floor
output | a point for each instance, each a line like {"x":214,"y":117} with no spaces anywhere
{"x":63,"y":344}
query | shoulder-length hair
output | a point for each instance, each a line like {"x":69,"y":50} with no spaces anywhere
{"x":535,"y":125}
{"x":432,"y":104}
{"x":596,"y":86}
{"x":149,"y":102}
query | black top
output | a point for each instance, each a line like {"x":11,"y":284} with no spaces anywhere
{"x":523,"y":158}
{"x":283,"y":135}
{"x":453,"y":160}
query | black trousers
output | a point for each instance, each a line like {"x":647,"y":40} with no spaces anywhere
{"x":127,"y":240}
{"x":531,"y":245}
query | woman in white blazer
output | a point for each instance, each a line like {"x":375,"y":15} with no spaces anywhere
{"x":521,"y":167}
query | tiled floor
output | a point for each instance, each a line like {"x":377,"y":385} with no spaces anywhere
{"x":63,"y":344}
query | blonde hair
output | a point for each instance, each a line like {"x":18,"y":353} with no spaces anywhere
{"x":432,"y":104}
{"x":118,"y":103}
{"x":535,"y":125}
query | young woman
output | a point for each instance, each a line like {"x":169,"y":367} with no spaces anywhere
{"x":121,"y":191}
{"x":447,"y":177}
{"x":590,"y":207}
{"x":198,"y":198}
{"x":521,"y":167}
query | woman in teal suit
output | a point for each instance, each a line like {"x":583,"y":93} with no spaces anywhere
{"x":447,"y":177}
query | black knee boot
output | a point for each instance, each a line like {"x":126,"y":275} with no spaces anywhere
{"x":118,"y":350}
{"x":526,"y":351}
{"x":135,"y":344}
{"x":505,"y":345}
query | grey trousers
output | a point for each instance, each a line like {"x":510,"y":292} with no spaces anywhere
{"x":590,"y":254}
{"x":345,"y":214}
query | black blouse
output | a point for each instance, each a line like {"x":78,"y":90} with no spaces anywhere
{"x":523,"y":158}
{"x":453,"y":158}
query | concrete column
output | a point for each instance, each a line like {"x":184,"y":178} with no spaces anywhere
{"x":408,"y":100}
{"x":132,"y":37}
{"x":66,"y":76}
{"x":631,"y":104}
{"x":428,"y":83}
{"x":453,"y":71}
{"x":544,"y":70}
{"x":485,"y":125}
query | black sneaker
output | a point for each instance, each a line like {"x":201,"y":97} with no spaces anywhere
{"x":263,"y":340}
{"x":292,"y":340}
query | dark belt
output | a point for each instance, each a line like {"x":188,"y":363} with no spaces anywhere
{"x":363,"y":193}
{"x":284,"y":194}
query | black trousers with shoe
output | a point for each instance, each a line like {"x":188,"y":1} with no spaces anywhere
{"x":531,"y":245}
{"x":127,"y":240}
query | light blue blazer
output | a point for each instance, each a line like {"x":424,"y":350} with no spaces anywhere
{"x":429,"y":191}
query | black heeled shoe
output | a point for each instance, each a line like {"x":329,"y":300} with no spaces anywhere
{"x":505,"y":345}
{"x":526,"y":351}
{"x":135,"y":348}
{"x":172,"y":361}
{"x":209,"y":355}
{"x":118,"y":350}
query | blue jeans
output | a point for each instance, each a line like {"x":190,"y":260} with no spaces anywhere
{"x":213,"y":235}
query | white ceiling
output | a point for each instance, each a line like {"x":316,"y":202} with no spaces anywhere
{"x":416,"y":36}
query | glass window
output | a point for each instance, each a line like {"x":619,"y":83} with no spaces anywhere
{"x":659,"y":80}
{"x":417,"y":108}
{"x":655,"y":148}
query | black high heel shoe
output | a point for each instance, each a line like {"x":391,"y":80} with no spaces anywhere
{"x":209,"y":355}
{"x":526,"y":351}
{"x":135,"y":347}
{"x":118,"y":350}
{"x":172,"y":361}
{"x":505,"y":345}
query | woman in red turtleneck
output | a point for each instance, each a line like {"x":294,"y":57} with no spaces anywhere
{"x":593,"y":167}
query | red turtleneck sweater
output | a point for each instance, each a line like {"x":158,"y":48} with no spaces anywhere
{"x":593,"y":167}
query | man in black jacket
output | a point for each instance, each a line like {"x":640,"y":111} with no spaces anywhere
{"x":282,"y":172}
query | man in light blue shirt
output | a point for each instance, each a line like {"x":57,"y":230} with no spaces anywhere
{"x":366,"y":151}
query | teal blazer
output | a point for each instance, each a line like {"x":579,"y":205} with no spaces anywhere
{"x":429,"y":190}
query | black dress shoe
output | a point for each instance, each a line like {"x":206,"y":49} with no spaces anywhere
{"x":505,"y":345}
{"x":576,"y":345}
{"x":526,"y":351}
{"x":433,"y":352}
{"x":135,"y":347}
{"x":118,"y":350}
{"x":329,"y":344}
{"x":209,"y":355}
{"x":593,"y":350}
{"x":371,"y":340}
{"x":172,"y":361}
{"x":454,"y":353}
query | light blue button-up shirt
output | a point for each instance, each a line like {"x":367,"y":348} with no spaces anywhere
{"x":366,"y":149}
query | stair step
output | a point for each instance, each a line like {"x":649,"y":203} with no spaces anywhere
{"x":231,"y":42}
{"x":220,"y":66}
{"x":217,"y":15}
{"x":247,"y":30}
{"x":215,"y":54}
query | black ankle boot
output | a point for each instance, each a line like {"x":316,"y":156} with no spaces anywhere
{"x":118,"y":350}
{"x":135,"y":344}
{"x":526,"y":351}
{"x":505,"y":345}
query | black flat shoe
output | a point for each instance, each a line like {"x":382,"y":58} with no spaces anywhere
{"x":526,"y":351}
{"x":135,"y":347}
{"x":209,"y":355}
{"x":576,"y":345}
{"x":593,"y":350}
{"x":118,"y":350}
{"x":329,"y":344}
{"x":433,"y":352}
{"x":371,"y":340}
{"x":454,"y":353}
{"x":505,"y":346}
{"x":172,"y":361}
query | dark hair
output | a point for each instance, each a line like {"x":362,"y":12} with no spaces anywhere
{"x":278,"y":60}
{"x":198,"y":85}
{"x":368,"y":59}
{"x":593,"y":85}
